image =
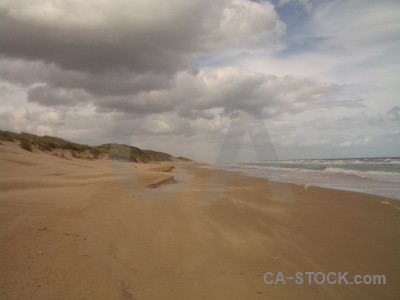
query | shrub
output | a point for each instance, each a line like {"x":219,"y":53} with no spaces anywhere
{"x":95,"y":152}
{"x":26,"y":145}
{"x":7,"y":136}
{"x":45,"y":147}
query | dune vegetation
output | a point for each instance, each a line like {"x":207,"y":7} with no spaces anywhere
{"x":29,"y":142}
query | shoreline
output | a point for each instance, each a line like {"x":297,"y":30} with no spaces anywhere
{"x":69,"y":230}
{"x":395,"y":203}
{"x":316,"y":184}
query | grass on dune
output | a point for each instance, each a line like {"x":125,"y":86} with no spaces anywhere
{"x":49,"y":143}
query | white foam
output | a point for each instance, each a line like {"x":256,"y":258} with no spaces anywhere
{"x":380,"y":175}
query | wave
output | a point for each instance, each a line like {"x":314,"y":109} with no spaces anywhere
{"x":273,"y":170}
{"x":381,"y":175}
{"x":381,"y":179}
{"x":348,"y":161}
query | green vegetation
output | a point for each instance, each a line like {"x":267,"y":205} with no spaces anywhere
{"x":49,"y":143}
{"x":125,"y":152}
{"x":116,"y":151}
{"x":95,"y":152}
{"x":7,"y":136}
{"x":73,"y":153}
{"x":26,"y":144}
{"x":183,"y":158}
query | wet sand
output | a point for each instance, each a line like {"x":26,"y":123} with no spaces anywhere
{"x":69,"y":230}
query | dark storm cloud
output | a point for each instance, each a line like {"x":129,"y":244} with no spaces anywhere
{"x":138,"y":36}
{"x":54,"y":97}
{"x":27,"y":73}
{"x":130,"y":55}
{"x":92,"y":48}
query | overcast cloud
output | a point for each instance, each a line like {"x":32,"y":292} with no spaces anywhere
{"x":172,"y":75}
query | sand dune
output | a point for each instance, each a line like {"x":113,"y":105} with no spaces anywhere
{"x":69,"y":230}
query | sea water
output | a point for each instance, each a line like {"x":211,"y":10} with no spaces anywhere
{"x":379,"y":176}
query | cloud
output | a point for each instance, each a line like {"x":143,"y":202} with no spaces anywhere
{"x":305,"y":3}
{"x":129,"y":57}
{"x":156,"y":127}
{"x":15,"y":118}
{"x":391,"y":117}
{"x":191,"y":95}
{"x":229,"y":89}
{"x":357,"y":142}
{"x":53,"y":97}
{"x":168,"y":73}
{"x":259,"y":95}
{"x":394,"y":114}
{"x":28,"y":73}
{"x":358,"y":24}
{"x":353,"y":43}
{"x":134,"y":36}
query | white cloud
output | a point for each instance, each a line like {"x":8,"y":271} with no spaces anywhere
{"x":349,"y":42}
{"x":155,"y":127}
{"x":357,"y":142}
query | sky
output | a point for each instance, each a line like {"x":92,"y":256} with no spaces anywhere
{"x":320,"y":79}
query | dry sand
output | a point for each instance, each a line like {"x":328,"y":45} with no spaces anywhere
{"x":68,"y":230}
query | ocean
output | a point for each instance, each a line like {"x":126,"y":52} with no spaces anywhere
{"x":379,"y":176}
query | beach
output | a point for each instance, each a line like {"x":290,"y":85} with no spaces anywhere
{"x":70,"y":230}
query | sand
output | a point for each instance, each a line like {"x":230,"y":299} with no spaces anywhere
{"x":68,"y":230}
